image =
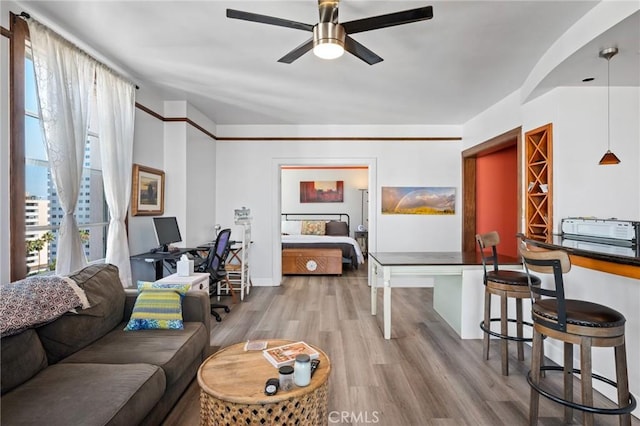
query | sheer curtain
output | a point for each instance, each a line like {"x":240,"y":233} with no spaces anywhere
{"x":64,"y":109}
{"x":116,"y":113}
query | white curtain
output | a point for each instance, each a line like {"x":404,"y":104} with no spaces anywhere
{"x":64,"y":79}
{"x":116,"y":113}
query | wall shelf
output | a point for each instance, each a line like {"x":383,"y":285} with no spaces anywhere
{"x":539,"y":166}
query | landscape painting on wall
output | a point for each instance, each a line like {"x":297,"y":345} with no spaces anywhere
{"x":322,"y":191}
{"x":147,"y":195}
{"x":418,"y":200}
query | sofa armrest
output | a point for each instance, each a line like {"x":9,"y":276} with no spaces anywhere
{"x":195,"y":307}
{"x":129,"y":302}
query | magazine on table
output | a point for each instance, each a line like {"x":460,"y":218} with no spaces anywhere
{"x":286,"y":354}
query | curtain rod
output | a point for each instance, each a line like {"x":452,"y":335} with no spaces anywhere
{"x":26,"y":15}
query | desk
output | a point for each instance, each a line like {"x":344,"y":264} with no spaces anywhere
{"x":232,"y":391}
{"x":159,"y":258}
{"x":447,"y":269}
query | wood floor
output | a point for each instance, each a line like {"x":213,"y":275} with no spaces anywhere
{"x":424,"y":375}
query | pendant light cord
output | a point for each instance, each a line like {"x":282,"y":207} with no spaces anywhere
{"x":608,"y":105}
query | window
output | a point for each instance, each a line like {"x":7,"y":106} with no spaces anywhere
{"x":43,"y":212}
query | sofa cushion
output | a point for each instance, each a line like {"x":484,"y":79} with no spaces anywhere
{"x":22,"y":356}
{"x":73,"y":331}
{"x":172,"y":350}
{"x":85,"y":394}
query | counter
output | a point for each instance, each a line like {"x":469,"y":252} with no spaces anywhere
{"x":602,"y":257}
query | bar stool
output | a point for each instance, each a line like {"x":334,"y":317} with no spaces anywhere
{"x":574,"y":322}
{"x":505,"y":284}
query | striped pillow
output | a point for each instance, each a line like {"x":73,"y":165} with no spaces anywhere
{"x":157,"y":308}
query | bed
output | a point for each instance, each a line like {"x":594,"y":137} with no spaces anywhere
{"x":318,"y":244}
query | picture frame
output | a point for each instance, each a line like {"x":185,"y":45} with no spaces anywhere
{"x":322,"y":191}
{"x":418,"y":200}
{"x":147,"y":195}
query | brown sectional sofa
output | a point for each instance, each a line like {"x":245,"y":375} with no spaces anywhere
{"x":83,"y":369}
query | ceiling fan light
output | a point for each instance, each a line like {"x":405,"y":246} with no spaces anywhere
{"x":328,"y":50}
{"x":609,"y":158}
{"x":328,"y":40}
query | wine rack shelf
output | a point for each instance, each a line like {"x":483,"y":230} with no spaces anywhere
{"x":539,"y":167}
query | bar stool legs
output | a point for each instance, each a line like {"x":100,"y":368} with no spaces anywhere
{"x":626,"y":401}
{"x":504,"y":324}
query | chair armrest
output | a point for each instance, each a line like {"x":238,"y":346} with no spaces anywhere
{"x":195,"y":307}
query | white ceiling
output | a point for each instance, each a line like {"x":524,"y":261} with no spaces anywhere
{"x":442,"y":71}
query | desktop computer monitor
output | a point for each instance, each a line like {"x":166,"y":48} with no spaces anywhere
{"x":167,"y":231}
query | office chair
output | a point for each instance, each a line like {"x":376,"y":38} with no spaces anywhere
{"x":214,"y":264}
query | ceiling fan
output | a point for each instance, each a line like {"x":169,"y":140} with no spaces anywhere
{"x":331,"y":38}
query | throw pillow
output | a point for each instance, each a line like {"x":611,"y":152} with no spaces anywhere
{"x":291,"y":227}
{"x":158,"y":306}
{"x":337,"y":228}
{"x":313,"y":227}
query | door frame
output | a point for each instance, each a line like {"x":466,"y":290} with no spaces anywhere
{"x":469,"y":157}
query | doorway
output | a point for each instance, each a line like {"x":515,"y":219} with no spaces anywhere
{"x":498,"y":153}
{"x":279,"y":163}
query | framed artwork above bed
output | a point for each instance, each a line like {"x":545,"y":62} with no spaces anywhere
{"x":322,"y":191}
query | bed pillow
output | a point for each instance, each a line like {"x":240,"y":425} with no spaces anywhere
{"x":158,"y":306}
{"x":337,"y":228}
{"x":313,"y":227}
{"x":291,"y":227}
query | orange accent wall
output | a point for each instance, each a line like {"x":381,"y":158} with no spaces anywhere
{"x":497,"y":197}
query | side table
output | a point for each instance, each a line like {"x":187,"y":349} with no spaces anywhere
{"x":199,"y":281}
{"x":232,"y":391}
{"x":362,"y":237}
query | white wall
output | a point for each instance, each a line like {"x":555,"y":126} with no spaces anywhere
{"x":248,"y":175}
{"x":187,"y":156}
{"x":353,"y":179}
{"x":148,"y":151}
{"x":581,"y":187}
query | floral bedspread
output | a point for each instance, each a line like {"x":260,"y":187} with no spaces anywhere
{"x":37,"y":300}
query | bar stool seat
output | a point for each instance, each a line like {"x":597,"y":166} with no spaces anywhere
{"x":504,"y":284}
{"x":583,"y":317}
{"x":574,"y":322}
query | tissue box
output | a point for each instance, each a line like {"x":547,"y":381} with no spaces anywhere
{"x":184,"y":267}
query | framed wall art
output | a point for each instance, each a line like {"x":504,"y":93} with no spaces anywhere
{"x":418,"y":200}
{"x":147,"y":195}
{"x":329,"y":191}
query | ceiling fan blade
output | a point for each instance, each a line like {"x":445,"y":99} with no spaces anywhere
{"x":358,"y":50}
{"x":264,"y":19}
{"x":297,"y":52}
{"x":389,"y":20}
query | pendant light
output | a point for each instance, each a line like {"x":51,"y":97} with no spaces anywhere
{"x":608,"y":157}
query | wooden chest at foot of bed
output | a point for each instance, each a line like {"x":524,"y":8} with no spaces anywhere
{"x":311,"y":261}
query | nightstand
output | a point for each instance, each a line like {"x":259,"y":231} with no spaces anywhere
{"x":362,"y":237}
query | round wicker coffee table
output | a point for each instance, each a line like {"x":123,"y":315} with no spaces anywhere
{"x":232,"y":391}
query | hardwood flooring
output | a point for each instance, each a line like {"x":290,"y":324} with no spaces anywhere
{"x":424,"y":375}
